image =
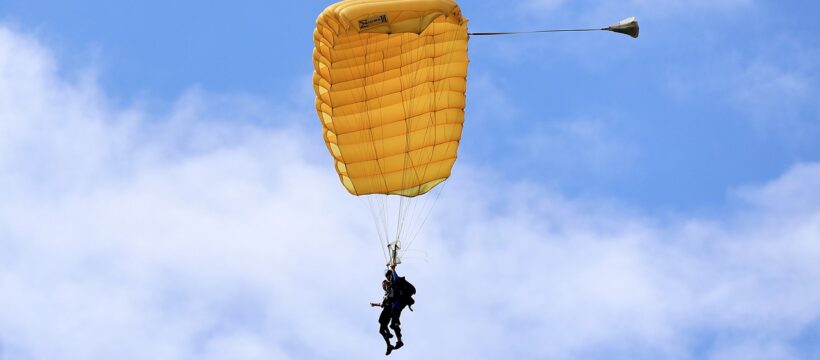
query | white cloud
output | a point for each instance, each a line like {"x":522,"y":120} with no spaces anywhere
{"x":193,"y":235}
{"x":793,"y":193}
{"x":581,"y":275}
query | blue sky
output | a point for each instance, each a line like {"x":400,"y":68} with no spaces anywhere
{"x":681,"y":105}
{"x":167,"y":193}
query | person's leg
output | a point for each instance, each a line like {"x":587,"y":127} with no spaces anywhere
{"x":385,"y":333}
{"x":384,"y":320}
{"x":395,"y":324}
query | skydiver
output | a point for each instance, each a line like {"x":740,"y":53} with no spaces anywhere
{"x":398,"y":296}
{"x":398,"y":293}
{"x":385,"y":316}
{"x":394,"y":303}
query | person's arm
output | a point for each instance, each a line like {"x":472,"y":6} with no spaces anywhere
{"x":384,"y":301}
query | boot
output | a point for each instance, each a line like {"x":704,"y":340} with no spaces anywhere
{"x":398,"y":344}
{"x":389,"y":349}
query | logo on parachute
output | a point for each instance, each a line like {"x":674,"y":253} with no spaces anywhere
{"x":372,"y":21}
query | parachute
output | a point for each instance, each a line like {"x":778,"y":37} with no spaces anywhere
{"x":390,"y":79}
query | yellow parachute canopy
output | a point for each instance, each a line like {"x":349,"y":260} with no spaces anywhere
{"x":390,"y":80}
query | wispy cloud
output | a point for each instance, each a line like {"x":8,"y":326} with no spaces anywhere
{"x":773,"y":88}
{"x":780,"y":100}
{"x":218,"y":233}
{"x":577,"y":147}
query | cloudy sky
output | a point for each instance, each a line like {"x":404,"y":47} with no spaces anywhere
{"x":165,"y":192}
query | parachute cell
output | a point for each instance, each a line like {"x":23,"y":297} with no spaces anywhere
{"x":390,"y":82}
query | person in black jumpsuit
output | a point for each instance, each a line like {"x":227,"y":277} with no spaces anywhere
{"x":396,"y":304}
{"x":385,"y":316}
